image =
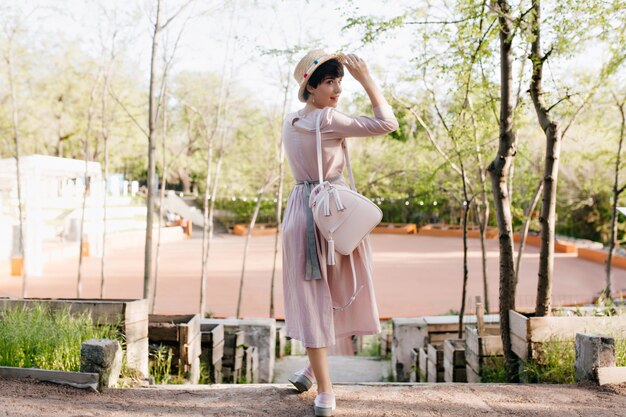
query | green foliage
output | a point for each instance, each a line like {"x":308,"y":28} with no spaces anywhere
{"x":160,"y":364}
{"x":492,"y":370}
{"x":555,"y":364}
{"x":46,"y":339}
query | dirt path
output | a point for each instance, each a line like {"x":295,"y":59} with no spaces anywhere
{"x":32,"y":399}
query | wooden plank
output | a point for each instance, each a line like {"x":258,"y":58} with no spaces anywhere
{"x":163,"y":332}
{"x":518,"y":324}
{"x":491,"y":346}
{"x":612,"y":375}
{"x":480,"y":317}
{"x":454,"y":352}
{"x":75,"y":379}
{"x":473,"y":360}
{"x":423,"y":365}
{"x":435,"y":353}
{"x":439,"y":338}
{"x":471,"y":375}
{"x":136,"y":331}
{"x":137,"y":355}
{"x":214,"y":336}
{"x":215,"y":353}
{"x":414,"y":369}
{"x":136,"y":310}
{"x":519,"y":346}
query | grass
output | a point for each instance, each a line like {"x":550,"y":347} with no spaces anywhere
{"x":42,"y":338}
{"x":556,"y":361}
{"x":492,"y":370}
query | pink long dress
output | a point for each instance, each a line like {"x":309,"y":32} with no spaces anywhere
{"x":309,"y":314}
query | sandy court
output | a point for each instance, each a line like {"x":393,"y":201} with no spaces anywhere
{"x":414,"y":275}
{"x":32,"y":399}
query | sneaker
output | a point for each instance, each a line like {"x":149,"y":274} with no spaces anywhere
{"x":325,"y":404}
{"x":303,"y":380}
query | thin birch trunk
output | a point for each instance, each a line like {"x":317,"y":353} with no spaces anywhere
{"x":553,"y":134}
{"x":255,"y":214}
{"x":279,"y":196}
{"x":105,"y":139}
{"x":18,"y":155}
{"x":525,"y":227}
{"x":616,"y":193}
{"x":499,"y":172}
{"x":90,"y":111}
{"x":161,"y":195}
{"x":152,"y":121}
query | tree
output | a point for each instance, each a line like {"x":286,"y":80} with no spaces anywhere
{"x":11,"y":32}
{"x":617,"y":191}
{"x":153,"y":114}
{"x":499,"y":173}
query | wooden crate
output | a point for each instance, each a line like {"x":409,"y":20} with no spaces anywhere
{"x":528,"y":333}
{"x":454,"y":360}
{"x":212,"y":340}
{"x":435,"y":363}
{"x":232,"y":363}
{"x":482,"y":350}
{"x":281,"y":341}
{"x":182,"y":334}
{"x":251,"y":365}
{"x":130,"y":315}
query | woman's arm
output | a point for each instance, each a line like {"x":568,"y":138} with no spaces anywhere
{"x":358,"y":69}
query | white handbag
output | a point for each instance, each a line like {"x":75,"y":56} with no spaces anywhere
{"x":343,"y":216}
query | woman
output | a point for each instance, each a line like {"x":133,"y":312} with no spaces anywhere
{"x":311,"y":288}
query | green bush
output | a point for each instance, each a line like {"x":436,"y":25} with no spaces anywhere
{"x":42,"y":338}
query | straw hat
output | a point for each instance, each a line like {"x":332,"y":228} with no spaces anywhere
{"x":309,"y":64}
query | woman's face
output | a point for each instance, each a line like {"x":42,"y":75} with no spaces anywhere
{"x":326,"y":94}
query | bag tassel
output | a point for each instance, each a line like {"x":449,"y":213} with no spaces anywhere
{"x":326,"y":204}
{"x":331,"y":251}
{"x":338,"y":203}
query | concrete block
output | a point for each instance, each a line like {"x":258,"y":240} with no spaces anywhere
{"x":593,"y":352}
{"x":406,"y":337}
{"x":103,"y":357}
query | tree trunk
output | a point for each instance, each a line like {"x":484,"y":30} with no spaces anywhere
{"x":525,"y":227}
{"x":105,"y":139}
{"x":499,"y":172}
{"x":257,"y":207}
{"x":90,"y":110}
{"x":18,"y":154}
{"x":152,"y":121}
{"x":616,"y":193}
{"x":279,"y":194}
{"x":466,"y":210}
{"x":553,"y":134}
{"x":161,"y":195}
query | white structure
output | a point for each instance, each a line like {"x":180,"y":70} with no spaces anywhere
{"x":52,"y":198}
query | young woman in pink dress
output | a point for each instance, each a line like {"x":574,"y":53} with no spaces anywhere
{"x":311,"y":287}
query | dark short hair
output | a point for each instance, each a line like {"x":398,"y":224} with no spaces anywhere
{"x":331,"y":68}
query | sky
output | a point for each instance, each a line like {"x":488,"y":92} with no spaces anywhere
{"x":231,"y":32}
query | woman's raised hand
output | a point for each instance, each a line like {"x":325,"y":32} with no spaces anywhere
{"x":357,"y":68}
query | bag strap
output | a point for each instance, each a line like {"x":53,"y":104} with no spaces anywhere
{"x":318,"y":140}
{"x":344,"y":146}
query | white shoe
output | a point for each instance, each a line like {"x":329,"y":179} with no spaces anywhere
{"x":303,"y":380}
{"x":325,"y":404}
